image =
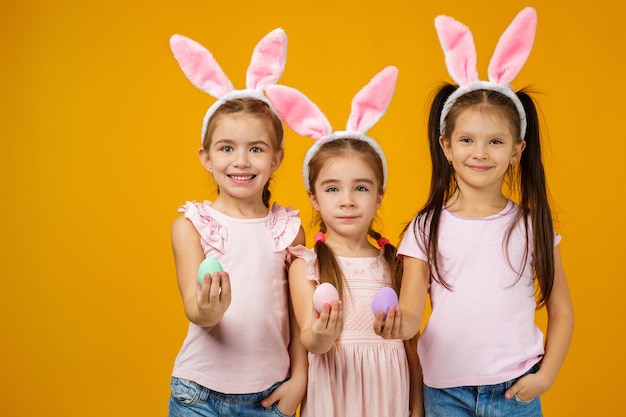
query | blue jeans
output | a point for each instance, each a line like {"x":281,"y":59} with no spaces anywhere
{"x":189,"y":399}
{"x":479,"y":401}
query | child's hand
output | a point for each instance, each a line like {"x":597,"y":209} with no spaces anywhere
{"x":327,"y":326}
{"x":528,"y":387}
{"x":390,"y":327}
{"x":287,"y":396}
{"x":213,"y":297}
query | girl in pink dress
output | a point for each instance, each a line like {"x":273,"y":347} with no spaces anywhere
{"x":352,"y":371}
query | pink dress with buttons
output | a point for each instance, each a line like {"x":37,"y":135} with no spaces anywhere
{"x":363,"y":374}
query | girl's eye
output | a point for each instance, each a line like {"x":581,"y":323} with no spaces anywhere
{"x":496,"y":141}
{"x":226,"y":148}
{"x":256,"y":149}
{"x":361,"y":188}
{"x":332,"y":189}
{"x":466,"y":140}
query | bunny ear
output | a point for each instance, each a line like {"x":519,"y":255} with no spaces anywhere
{"x":298,"y":111}
{"x":268,"y":60}
{"x":513,"y":47}
{"x":458,"y":46}
{"x":372,"y":101}
{"x":200,"y":67}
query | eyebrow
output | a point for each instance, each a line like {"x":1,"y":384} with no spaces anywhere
{"x":230,"y":142}
{"x":358,"y":180}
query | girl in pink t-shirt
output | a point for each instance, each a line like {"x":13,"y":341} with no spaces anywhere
{"x":352,"y":371}
{"x":242,"y":355}
{"x":478,"y":254}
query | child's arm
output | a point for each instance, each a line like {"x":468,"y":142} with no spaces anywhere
{"x":405,"y":321}
{"x":416,"y":393}
{"x":558,"y":337}
{"x":205,"y":303}
{"x":318,"y":331}
{"x":290,"y":394}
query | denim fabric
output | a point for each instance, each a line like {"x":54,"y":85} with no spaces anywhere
{"x":479,"y":401}
{"x":189,"y":399}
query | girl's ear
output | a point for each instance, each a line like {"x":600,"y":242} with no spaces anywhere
{"x":203,"y":155}
{"x":444,"y":142}
{"x":379,"y":200}
{"x":277,"y":159}
{"x":313,"y":199}
{"x":518,"y":148}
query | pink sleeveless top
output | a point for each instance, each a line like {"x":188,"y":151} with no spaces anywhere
{"x":246,"y":352}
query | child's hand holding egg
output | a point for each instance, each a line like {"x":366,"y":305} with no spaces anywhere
{"x":208,"y":266}
{"x":385,"y":297}
{"x":324,"y":294}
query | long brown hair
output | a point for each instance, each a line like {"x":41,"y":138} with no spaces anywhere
{"x":328,"y":268}
{"x":527,"y":181}
{"x":255,"y":108}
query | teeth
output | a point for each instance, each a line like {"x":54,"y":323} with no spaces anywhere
{"x":242,"y":178}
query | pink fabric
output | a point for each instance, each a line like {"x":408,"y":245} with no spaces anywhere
{"x":483,"y":332}
{"x":305,"y":118}
{"x":363,"y":375}
{"x":369,"y":104}
{"x":509,"y":57}
{"x":513,"y":47}
{"x":247,"y":351}
{"x":458,"y":46}
{"x":266,"y":65}
{"x":200,"y":67}
{"x":268,"y":61}
{"x":301,"y":114}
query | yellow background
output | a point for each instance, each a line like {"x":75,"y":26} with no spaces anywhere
{"x":99,"y":131}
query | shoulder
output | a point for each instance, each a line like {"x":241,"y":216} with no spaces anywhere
{"x":201,"y":219}
{"x":284,"y":226}
{"x":306,"y":259}
{"x":183,"y":231}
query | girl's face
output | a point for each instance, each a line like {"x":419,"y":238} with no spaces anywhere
{"x":346,"y":195}
{"x":242,"y":156}
{"x":481,"y":148}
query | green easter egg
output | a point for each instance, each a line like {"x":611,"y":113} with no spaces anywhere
{"x":208,"y":266}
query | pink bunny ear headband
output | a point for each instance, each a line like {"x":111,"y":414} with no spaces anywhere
{"x":306,"y":119}
{"x":506,"y":62}
{"x":266,"y":67}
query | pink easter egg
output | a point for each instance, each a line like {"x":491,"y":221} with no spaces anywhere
{"x":385,"y":297}
{"x":324,"y":293}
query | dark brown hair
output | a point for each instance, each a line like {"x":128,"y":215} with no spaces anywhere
{"x":526,"y":181}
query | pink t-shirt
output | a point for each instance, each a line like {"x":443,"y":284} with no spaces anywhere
{"x":481,"y":332}
{"x":247,"y":351}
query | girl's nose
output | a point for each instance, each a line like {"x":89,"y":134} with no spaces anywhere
{"x":242,"y":159}
{"x":347,"y":199}
{"x":479,"y":152}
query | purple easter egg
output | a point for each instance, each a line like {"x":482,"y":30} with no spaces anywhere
{"x":324,"y":293}
{"x":385,"y":297}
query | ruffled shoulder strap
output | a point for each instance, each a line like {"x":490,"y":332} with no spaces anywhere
{"x":212,"y":232}
{"x":310,"y":258}
{"x":284,"y":225}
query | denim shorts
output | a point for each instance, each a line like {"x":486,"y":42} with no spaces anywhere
{"x":479,"y":401}
{"x":189,"y":399}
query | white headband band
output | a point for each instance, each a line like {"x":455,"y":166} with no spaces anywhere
{"x":266,"y":66}
{"x":306,"y":119}
{"x":506,"y":62}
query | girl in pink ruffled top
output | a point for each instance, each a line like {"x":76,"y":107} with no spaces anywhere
{"x":352,"y":371}
{"x":242,"y":355}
